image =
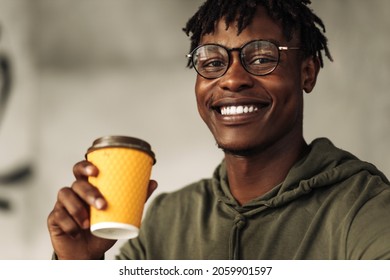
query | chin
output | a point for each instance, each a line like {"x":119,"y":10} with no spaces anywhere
{"x":238,"y":150}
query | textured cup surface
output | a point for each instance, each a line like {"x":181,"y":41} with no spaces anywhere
{"x":124,"y":174}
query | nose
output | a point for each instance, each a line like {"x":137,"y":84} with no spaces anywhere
{"x":236,"y":77}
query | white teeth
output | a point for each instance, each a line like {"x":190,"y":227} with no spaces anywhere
{"x":236,"y":110}
{"x":240,"y":110}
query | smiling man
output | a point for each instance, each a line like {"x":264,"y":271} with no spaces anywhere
{"x":273,"y":196}
{"x":249,"y":93}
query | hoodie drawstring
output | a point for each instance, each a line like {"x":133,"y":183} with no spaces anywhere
{"x":239,"y":222}
{"x":234,"y":242}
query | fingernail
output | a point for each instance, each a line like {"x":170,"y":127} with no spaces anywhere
{"x":89,"y":170}
{"x":99,"y":203}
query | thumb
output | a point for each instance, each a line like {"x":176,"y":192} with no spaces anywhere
{"x":151,"y":188}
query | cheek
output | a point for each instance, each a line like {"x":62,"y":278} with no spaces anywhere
{"x":288,"y":86}
{"x":198,"y":89}
{"x":203,"y":94}
{"x":283,"y":90}
{"x":287,"y":97}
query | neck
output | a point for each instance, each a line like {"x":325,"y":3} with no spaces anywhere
{"x":252,"y":175}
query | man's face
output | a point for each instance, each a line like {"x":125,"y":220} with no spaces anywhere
{"x":276,"y":99}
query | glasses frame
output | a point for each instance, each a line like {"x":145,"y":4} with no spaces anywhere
{"x":239,"y":50}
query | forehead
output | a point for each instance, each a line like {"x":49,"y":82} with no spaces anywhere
{"x":261,"y":27}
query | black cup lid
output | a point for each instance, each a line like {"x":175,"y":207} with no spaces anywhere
{"x":122,"y":141}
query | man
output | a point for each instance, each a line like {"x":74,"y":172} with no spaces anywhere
{"x":273,"y":196}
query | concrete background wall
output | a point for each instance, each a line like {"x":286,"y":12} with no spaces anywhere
{"x":87,"y":68}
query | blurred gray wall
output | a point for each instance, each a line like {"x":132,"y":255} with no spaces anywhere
{"x":88,"y":68}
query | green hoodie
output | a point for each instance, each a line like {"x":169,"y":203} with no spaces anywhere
{"x":330,"y":206}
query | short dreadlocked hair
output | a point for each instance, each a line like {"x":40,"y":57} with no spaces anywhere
{"x":293,"y":14}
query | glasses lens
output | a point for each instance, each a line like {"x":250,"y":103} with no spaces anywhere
{"x":210,"y":61}
{"x":260,"y":57}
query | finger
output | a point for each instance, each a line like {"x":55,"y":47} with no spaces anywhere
{"x":60,"y":222}
{"x":70,"y":204}
{"x":151,"y":188}
{"x":89,"y":194}
{"x":84,"y":169}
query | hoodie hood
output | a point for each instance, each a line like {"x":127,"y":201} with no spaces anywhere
{"x":323,"y":165}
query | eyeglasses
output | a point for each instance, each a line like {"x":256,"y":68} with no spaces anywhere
{"x":258,"y":57}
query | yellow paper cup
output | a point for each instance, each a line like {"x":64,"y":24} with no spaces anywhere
{"x":125,"y":165}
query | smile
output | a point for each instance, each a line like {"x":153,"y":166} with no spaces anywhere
{"x":238,"y":110}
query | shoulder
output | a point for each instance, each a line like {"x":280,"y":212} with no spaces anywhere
{"x":192,"y":193}
{"x":335,"y":164}
{"x":204,"y":191}
{"x":369,"y":231}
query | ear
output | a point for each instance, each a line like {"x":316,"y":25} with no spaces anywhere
{"x":309,"y":73}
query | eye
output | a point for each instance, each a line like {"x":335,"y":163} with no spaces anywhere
{"x":211,"y":65}
{"x":261,"y":63}
{"x":261,"y":60}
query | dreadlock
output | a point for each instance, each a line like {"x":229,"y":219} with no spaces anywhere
{"x":293,"y":14}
